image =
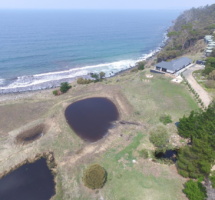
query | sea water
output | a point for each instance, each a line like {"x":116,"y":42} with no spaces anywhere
{"x":41,"y":48}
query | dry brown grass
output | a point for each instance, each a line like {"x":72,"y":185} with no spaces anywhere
{"x":137,"y":100}
{"x":31,"y":134}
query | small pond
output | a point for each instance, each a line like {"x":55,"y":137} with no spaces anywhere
{"x":31,"y":135}
{"x":32,"y":181}
{"x":91,"y":118}
{"x":169,"y":154}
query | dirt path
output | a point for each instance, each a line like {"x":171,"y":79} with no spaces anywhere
{"x":188,"y":74}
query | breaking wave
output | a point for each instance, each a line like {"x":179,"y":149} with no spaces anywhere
{"x":53,"y":79}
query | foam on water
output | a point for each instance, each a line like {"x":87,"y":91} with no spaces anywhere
{"x":53,"y":79}
{"x":43,"y":49}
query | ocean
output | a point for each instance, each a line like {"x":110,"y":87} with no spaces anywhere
{"x":41,"y":48}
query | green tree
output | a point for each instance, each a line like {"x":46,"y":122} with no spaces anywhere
{"x":95,"y":177}
{"x":194,"y":190}
{"x":196,"y":160}
{"x":95,"y":76}
{"x":98,"y":77}
{"x":140,"y":65}
{"x":64,"y":87}
{"x":101,"y":75}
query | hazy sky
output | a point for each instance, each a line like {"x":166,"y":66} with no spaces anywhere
{"x":102,"y":4}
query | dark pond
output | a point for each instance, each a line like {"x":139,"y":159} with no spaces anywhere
{"x":33,"y":137}
{"x":169,"y":154}
{"x":29,"y":182}
{"x":91,"y":118}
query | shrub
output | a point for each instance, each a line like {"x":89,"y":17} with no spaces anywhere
{"x":212,"y":179}
{"x":210,"y":84}
{"x":101,"y":75}
{"x":211,"y":76}
{"x":134,"y":70}
{"x":194,"y":190}
{"x":140,"y":65}
{"x":207,"y":70}
{"x":55,"y":92}
{"x":98,"y":77}
{"x":166,"y":119}
{"x":64,"y":87}
{"x":144,"y":153}
{"x":84,"y":81}
{"x":95,"y":177}
{"x":159,"y":137}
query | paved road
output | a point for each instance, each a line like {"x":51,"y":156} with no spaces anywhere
{"x":204,"y":96}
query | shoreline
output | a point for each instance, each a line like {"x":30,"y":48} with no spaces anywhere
{"x":29,"y":93}
{"x":29,"y":90}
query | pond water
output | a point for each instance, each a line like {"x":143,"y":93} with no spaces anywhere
{"x":169,"y":154}
{"x":32,"y":181}
{"x":91,"y":118}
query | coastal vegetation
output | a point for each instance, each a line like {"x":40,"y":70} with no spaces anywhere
{"x":159,"y":137}
{"x":131,"y":173}
{"x":189,"y":27}
{"x":64,"y":87}
{"x":126,"y":152}
{"x":194,"y":190}
{"x":84,"y":81}
{"x":197,"y":160}
{"x":140,"y":65}
{"x":166,"y":119}
{"x":95,"y":177}
{"x":212,"y":178}
{"x":96,"y":77}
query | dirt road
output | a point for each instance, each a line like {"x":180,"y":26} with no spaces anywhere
{"x":188,"y":74}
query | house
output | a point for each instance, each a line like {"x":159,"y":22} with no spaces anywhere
{"x":211,"y":44}
{"x":208,"y":52}
{"x":174,"y":65}
{"x":209,"y":48}
{"x":208,"y":38}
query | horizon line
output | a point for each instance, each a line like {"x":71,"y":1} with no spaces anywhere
{"x":93,"y":9}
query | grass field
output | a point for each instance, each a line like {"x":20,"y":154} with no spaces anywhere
{"x":138,"y":99}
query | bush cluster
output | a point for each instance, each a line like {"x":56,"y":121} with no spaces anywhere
{"x":144,"y":153}
{"x":194,"y":190}
{"x":64,"y":87}
{"x":84,"y":81}
{"x":212,"y":179}
{"x":165,"y":119}
{"x":159,"y":137}
{"x":98,"y":77}
{"x":94,"y":177}
{"x":140,"y":65}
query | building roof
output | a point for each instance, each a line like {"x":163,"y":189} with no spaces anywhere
{"x":209,"y":36}
{"x":210,"y":48}
{"x":175,"y":65}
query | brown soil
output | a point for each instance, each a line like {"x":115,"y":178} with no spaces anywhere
{"x":31,"y":135}
{"x":203,"y":95}
{"x":15,"y":115}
